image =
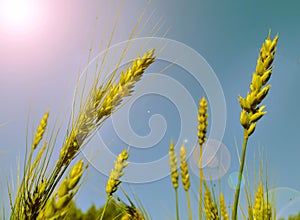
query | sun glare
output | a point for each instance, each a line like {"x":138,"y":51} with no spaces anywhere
{"x":18,"y":15}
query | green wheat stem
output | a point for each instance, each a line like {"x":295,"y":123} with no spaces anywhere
{"x":104,"y":209}
{"x":177,"y":206}
{"x":200,"y":184}
{"x":189,"y":205}
{"x":240,"y":175}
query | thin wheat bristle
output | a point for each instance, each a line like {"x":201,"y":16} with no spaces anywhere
{"x":40,"y":130}
{"x":173,"y":165}
{"x":117,"y":172}
{"x":185,"y":177}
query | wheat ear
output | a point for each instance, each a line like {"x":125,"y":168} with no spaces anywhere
{"x":262,"y":209}
{"x":132,"y":213}
{"x":174,"y":174}
{"x":185,"y":177}
{"x":210,"y":210}
{"x":27,"y":195}
{"x":114,"y":177}
{"x":82,"y":127}
{"x":101,"y":103}
{"x":57,"y":206}
{"x":251,"y":111}
{"x":40,"y":130}
{"x":202,"y":129}
{"x":223,"y":210}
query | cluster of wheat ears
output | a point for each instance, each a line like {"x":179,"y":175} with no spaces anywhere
{"x":46,"y":192}
{"x":252,"y":111}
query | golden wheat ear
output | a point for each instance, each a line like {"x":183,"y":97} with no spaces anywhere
{"x":210,"y":207}
{"x":57,"y":206}
{"x":185,"y":178}
{"x":114,"y":177}
{"x":252,"y":111}
{"x":101,"y":103}
{"x":262,"y":209}
{"x":117,"y":172}
{"x":202,"y":130}
{"x":223,"y":209}
{"x":174,"y":174}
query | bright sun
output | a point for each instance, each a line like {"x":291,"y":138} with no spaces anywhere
{"x":18,"y":15}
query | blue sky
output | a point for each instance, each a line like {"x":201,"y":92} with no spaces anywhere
{"x":39,"y":68}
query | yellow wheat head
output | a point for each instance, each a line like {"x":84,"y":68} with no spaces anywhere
{"x":173,"y":165}
{"x":57,"y":206}
{"x":40,"y":131}
{"x":210,"y":207}
{"x":117,"y":172}
{"x":259,"y":88}
{"x":262,"y":209}
{"x":185,"y":177}
{"x":202,"y":121}
{"x":223,"y":209}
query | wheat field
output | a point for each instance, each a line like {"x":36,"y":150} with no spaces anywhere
{"x":53,"y":172}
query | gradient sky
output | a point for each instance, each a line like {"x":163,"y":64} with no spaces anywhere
{"x":41,"y":53}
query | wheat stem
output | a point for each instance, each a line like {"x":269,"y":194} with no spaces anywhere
{"x":189,"y":205}
{"x":240,"y":176}
{"x":104,"y":209}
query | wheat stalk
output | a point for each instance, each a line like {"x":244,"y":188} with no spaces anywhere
{"x":202,"y":129}
{"x":174,"y":174}
{"x":185,"y":177}
{"x":114,"y":177}
{"x":251,"y":111}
